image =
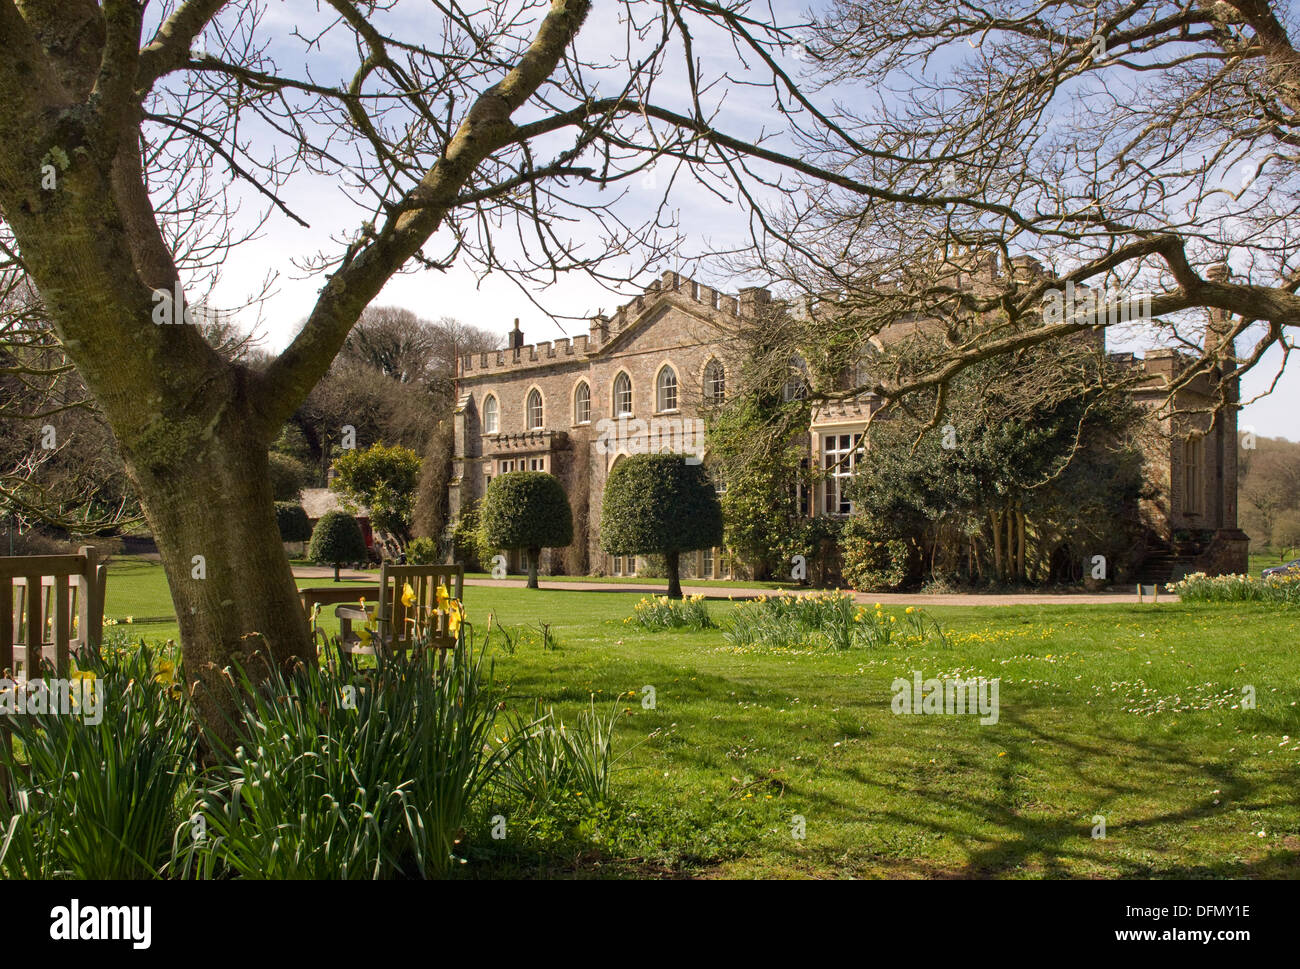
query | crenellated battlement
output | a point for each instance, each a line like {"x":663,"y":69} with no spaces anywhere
{"x":605,"y":328}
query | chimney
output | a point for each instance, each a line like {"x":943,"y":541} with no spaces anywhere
{"x":1220,"y":325}
{"x":1026,"y":269}
{"x":753,"y":300}
{"x":516,"y":337}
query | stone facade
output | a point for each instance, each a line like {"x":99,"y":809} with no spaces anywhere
{"x":655,"y":366}
{"x":652,"y":368}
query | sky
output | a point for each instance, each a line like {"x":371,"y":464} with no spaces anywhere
{"x":706,"y":222}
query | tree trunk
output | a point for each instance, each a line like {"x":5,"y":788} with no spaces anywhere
{"x":336,"y":570}
{"x":1020,"y":550}
{"x":533,"y":555}
{"x":997,"y":545}
{"x":673,"y":561}
{"x":1010,"y":517}
{"x":214,"y":522}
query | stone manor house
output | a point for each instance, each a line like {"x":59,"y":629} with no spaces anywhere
{"x":656,"y":363}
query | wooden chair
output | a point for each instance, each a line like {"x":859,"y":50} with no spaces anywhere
{"x":397,"y":626}
{"x":39,"y":596}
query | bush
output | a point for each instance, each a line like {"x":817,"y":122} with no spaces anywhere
{"x":1199,"y":587}
{"x":383,"y":479}
{"x":422,"y":551}
{"x":467,"y":545}
{"x":661,"y":612}
{"x":659,"y":504}
{"x":288,"y":477}
{"x":818,"y":541}
{"x":528,"y":510}
{"x":292,"y":519}
{"x":336,"y":540}
{"x":873,"y":562}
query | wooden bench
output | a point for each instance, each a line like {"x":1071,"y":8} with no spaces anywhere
{"x":39,"y":627}
{"x":397,"y":626}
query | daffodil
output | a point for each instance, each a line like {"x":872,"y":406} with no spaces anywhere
{"x":444,"y":600}
{"x":166,"y":671}
{"x":408,"y":595}
{"x":455,"y":613}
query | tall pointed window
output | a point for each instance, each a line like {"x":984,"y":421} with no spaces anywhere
{"x":535,"y":411}
{"x":622,"y":395}
{"x":666,"y":390}
{"x":582,"y":404}
{"x":715,"y":383}
{"x":490,"y":415}
{"x":1193,"y":492}
{"x":796,"y":386}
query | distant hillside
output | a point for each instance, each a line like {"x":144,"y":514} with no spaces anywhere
{"x":1268,"y":492}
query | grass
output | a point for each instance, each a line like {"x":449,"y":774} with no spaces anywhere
{"x":1125,"y":711}
{"x":1264,"y":557}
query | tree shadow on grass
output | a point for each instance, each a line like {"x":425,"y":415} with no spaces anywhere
{"x":1045,"y":846}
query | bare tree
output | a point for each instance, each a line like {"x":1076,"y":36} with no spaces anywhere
{"x":125,"y":128}
{"x":58,"y":464}
{"x":1019,"y":150}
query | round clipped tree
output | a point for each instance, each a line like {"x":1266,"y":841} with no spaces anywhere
{"x":337,"y":539}
{"x":528,"y":510}
{"x":292,"y":521}
{"x":657,"y":504}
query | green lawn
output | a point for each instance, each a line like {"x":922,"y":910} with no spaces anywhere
{"x":1264,"y":557}
{"x":1123,"y":711}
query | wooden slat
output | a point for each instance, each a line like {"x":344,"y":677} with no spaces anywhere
{"x":62,"y":624}
{"x":23,"y":565}
{"x":6,"y":625}
{"x":35,"y":626}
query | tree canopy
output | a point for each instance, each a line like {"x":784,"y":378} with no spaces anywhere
{"x":528,"y":510}
{"x":659,"y":504}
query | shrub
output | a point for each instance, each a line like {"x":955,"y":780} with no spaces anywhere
{"x":873,"y":562}
{"x":467,"y":546}
{"x":384,"y":479}
{"x":288,"y":477}
{"x":528,"y":510}
{"x":818,"y":541}
{"x":422,"y":551}
{"x":1199,"y":587}
{"x":337,"y":539}
{"x":292,"y":519}
{"x":661,"y":612}
{"x":659,"y":504}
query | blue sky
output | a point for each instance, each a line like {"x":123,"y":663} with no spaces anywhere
{"x":706,"y":222}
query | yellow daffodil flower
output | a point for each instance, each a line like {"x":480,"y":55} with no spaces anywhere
{"x":408,"y":595}
{"x":444,"y":600}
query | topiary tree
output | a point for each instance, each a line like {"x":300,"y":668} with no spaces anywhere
{"x":528,"y":510}
{"x":293,"y":522}
{"x":659,"y":504}
{"x":337,"y":539}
